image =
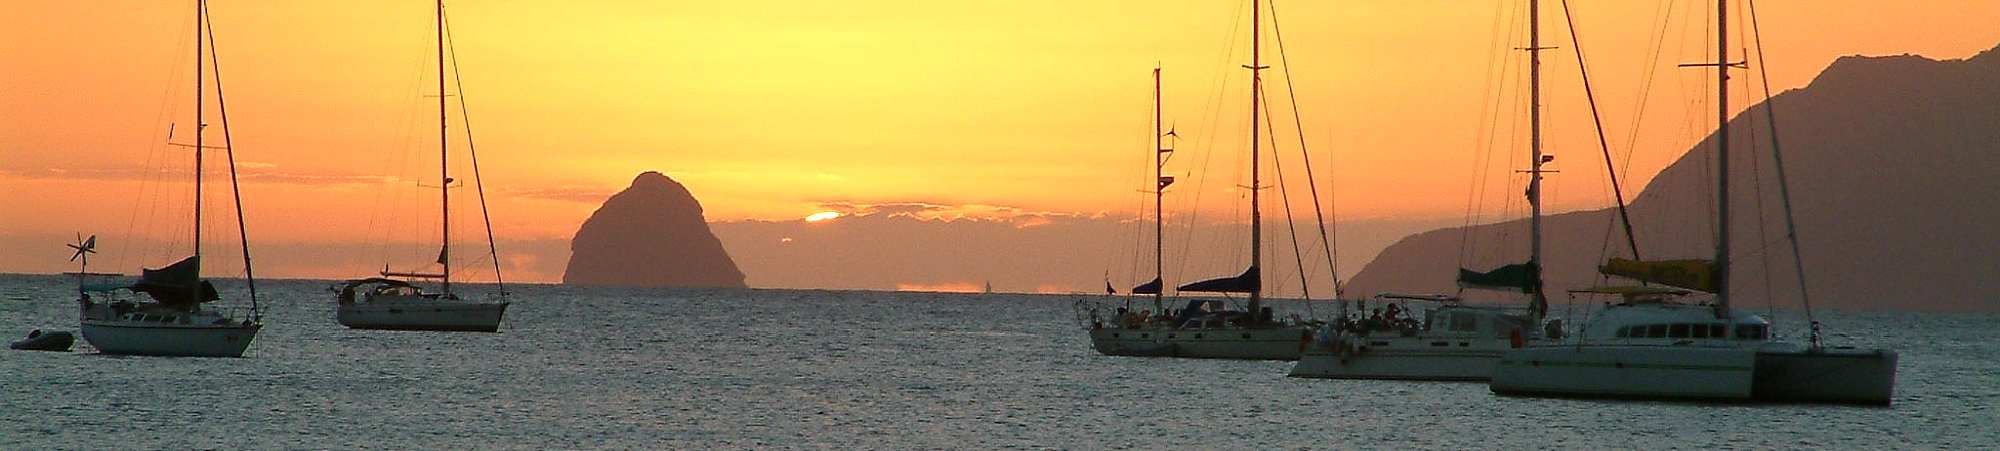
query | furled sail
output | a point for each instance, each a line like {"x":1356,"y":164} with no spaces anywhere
{"x":1148,"y":287}
{"x":1251,"y":280}
{"x":175,"y":284}
{"x":1689,"y":274}
{"x":1524,"y":277}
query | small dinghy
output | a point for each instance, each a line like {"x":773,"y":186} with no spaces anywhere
{"x":45,"y":341}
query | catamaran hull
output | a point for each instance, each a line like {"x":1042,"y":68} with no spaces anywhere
{"x":437,"y":316}
{"x":1843,"y":376}
{"x":1276,"y":343}
{"x":1403,"y":359}
{"x":1628,"y":371}
{"x":174,"y":340}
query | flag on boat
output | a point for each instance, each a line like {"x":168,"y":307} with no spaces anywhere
{"x":1250,"y":281}
{"x":1690,"y":274}
{"x":1525,"y":277}
{"x":1108,"y":289}
{"x":444,"y":257}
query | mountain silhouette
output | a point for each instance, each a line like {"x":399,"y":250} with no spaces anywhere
{"x":652,"y":234}
{"x":1892,"y":163}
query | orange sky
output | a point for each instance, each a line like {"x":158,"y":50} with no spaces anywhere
{"x":768,"y":109}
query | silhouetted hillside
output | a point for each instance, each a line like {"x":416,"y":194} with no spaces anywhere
{"x":650,"y":235}
{"x":1892,"y":163}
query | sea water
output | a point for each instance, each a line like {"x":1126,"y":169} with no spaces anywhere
{"x":580,"y":367}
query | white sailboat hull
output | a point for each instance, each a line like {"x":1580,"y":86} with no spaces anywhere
{"x":1404,"y":358}
{"x":1268,"y":343}
{"x":180,"y":340}
{"x":1628,"y":371}
{"x":422,"y":315}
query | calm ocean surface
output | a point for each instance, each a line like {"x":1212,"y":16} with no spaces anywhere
{"x":612,"y":368}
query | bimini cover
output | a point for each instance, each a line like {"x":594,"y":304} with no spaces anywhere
{"x":1250,"y":281}
{"x":379,"y":280}
{"x":1520,"y":276}
{"x":176,"y":283}
{"x":1690,"y":274}
{"x":1148,"y":287}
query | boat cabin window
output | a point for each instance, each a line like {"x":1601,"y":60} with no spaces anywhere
{"x":1677,"y":331}
{"x":1656,"y":331}
{"x":1750,"y":332}
{"x":1461,"y":322}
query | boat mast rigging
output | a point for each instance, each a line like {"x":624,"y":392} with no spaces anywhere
{"x":200,"y":7}
{"x":444,"y":158}
{"x":1536,"y":159}
{"x":235,"y":187}
{"x":1722,"y":159}
{"x":1256,"y":215}
{"x":1160,"y":182}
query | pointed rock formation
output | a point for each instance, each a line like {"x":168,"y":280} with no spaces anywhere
{"x":650,"y":235}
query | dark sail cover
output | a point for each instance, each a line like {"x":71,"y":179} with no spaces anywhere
{"x":175,"y":284}
{"x":1520,"y":276}
{"x":1689,"y":274}
{"x":1148,"y":288}
{"x":1250,"y":281}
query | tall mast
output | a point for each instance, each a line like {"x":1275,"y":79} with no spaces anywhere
{"x":1535,"y":151}
{"x":1159,"y":195}
{"x":444,"y":157}
{"x":1722,"y":158}
{"x":199,"y":7}
{"x":1256,"y":216}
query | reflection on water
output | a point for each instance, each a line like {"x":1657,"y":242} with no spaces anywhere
{"x":577,"y":367}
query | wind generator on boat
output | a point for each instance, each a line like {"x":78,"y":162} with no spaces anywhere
{"x":174,"y":322}
{"x":389,"y":303}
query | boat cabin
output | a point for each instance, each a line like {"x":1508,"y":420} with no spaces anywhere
{"x":1674,"y":322}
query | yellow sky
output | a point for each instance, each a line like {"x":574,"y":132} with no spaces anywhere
{"x":767,"y":109}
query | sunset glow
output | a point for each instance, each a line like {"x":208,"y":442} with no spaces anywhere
{"x":764,"y":109}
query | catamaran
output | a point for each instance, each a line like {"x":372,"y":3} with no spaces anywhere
{"x":1204,"y":328}
{"x":173,"y":321}
{"x":390,"y":302}
{"x":1655,"y":344}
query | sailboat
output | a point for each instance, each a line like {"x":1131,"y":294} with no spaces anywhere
{"x":1454,"y":341}
{"x":1204,"y":328}
{"x":392,"y":301}
{"x":1656,"y":345}
{"x":174,"y":322}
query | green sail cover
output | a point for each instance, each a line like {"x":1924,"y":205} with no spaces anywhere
{"x":1689,"y":274}
{"x":1521,"y":276}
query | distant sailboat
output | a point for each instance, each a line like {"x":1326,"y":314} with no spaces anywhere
{"x":1204,"y":329}
{"x":387,"y":303}
{"x":173,"y":322}
{"x":1653,"y":346}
